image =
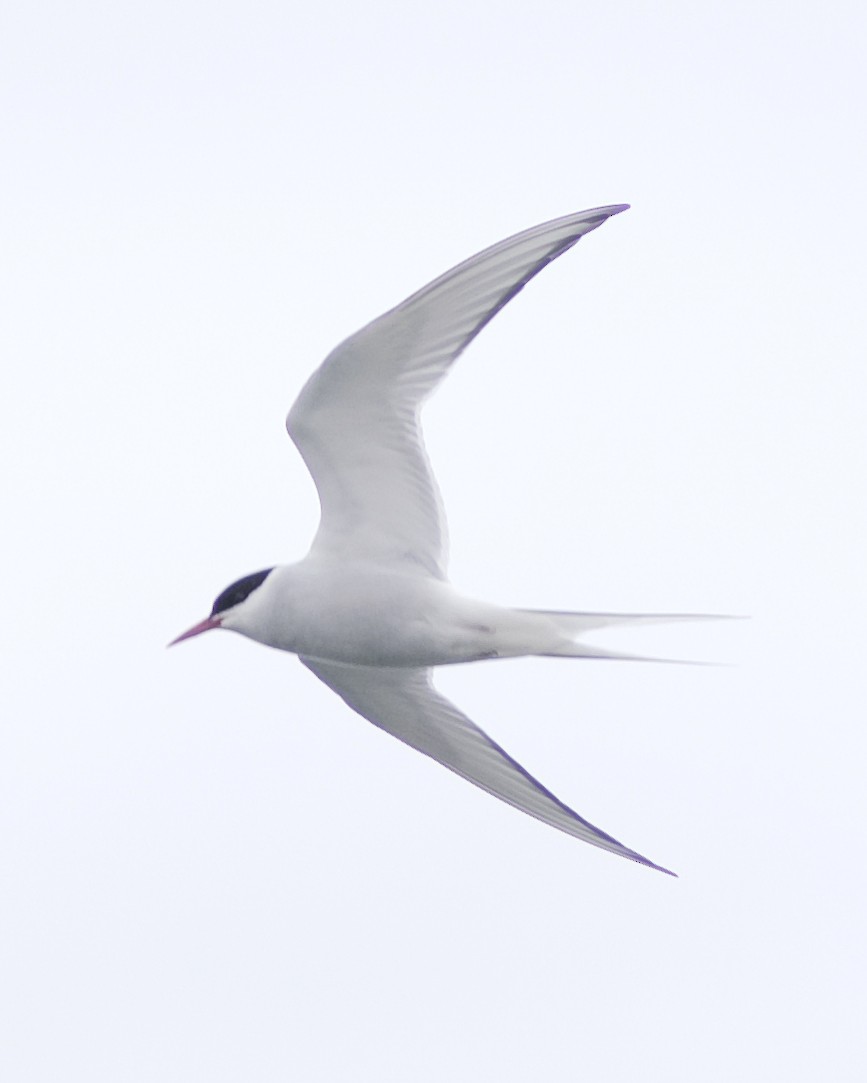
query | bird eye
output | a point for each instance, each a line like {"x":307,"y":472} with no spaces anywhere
{"x":238,"y":591}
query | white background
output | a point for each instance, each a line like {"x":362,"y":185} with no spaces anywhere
{"x":211,"y":869}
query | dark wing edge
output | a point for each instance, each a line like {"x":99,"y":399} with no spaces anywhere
{"x":404,"y":703}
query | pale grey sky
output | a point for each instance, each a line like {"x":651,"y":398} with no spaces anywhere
{"x":212,"y":869}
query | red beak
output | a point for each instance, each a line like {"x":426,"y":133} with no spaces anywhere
{"x":197,"y":629}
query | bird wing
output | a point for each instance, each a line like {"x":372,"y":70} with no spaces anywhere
{"x":356,"y":421}
{"x":404,"y":703}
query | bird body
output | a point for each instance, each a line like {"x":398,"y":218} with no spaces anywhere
{"x":363,"y":615}
{"x":369,"y":616}
{"x":370,"y":610}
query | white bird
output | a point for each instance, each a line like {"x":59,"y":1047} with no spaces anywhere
{"x":370,"y":610}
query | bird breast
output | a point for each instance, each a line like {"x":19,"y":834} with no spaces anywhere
{"x":365,"y":616}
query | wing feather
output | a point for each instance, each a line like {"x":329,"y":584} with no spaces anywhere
{"x":404,"y":703}
{"x":356,"y":421}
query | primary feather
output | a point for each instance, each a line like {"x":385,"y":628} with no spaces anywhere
{"x":356,"y":421}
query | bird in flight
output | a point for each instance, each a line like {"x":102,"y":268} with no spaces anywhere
{"x":370,"y":609}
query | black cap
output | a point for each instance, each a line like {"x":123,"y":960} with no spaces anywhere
{"x":238,"y":591}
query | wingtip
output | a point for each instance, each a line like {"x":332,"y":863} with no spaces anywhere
{"x":602,"y":214}
{"x":653,"y":865}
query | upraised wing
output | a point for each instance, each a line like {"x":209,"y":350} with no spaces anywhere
{"x":356,"y":421}
{"x":404,"y":703}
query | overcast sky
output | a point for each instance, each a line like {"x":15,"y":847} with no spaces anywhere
{"x":210,"y":869}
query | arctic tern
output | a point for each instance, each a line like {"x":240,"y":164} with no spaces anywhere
{"x":370,"y":610}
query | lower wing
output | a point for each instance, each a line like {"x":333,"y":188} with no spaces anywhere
{"x":404,"y":703}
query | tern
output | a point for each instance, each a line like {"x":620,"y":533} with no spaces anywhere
{"x":370,"y":610}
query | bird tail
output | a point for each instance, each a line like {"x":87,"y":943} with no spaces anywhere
{"x":573,"y":625}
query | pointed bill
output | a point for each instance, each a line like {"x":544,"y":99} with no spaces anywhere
{"x":197,"y":629}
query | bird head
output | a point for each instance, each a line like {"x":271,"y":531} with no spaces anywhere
{"x":228,"y":606}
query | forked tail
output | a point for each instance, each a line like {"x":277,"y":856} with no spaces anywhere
{"x":573,"y":625}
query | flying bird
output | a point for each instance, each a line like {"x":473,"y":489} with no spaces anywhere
{"x":370,"y":610}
